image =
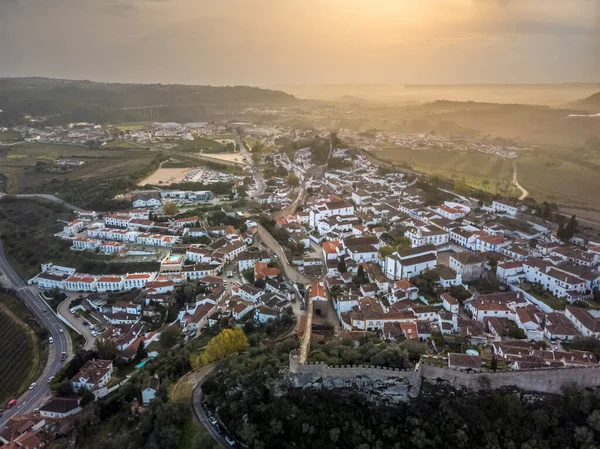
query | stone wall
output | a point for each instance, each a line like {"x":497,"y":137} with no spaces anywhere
{"x":375,"y":382}
{"x":540,"y":380}
{"x":398,"y":384}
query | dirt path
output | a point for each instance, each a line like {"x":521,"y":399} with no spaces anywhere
{"x":524,"y":193}
{"x":34,"y":343}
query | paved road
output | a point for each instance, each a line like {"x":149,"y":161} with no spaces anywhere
{"x":77,"y":323}
{"x":35,"y":398}
{"x":200,"y":413}
{"x":46,"y":197}
{"x":259,"y":180}
{"x":515,"y":181}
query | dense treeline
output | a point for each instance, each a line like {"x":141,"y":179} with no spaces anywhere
{"x":267,"y":414}
{"x":67,"y":100}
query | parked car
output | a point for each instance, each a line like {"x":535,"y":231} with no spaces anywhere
{"x":229,"y":440}
{"x":50,"y":379}
{"x":51,"y":340}
{"x":212,"y":420}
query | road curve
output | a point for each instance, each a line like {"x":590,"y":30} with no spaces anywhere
{"x":200,"y":413}
{"x":524,"y":193}
{"x":36,"y":397}
{"x":45,"y":197}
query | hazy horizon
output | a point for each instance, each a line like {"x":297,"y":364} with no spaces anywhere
{"x":303,"y":42}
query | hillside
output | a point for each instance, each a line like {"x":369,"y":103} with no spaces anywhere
{"x":591,"y":103}
{"x":71,"y":100}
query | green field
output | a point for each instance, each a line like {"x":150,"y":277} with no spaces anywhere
{"x":201,"y":145}
{"x":131,"y":126}
{"x":566,"y":180}
{"x":551,"y":174}
{"x":10,"y":136}
{"x":31,"y":165}
{"x":22,"y":353}
{"x":479,"y":170}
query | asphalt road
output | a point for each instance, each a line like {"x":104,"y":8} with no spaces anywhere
{"x":63,"y":310}
{"x":36,"y":397}
{"x":259,"y":179}
{"x":200,"y":413}
{"x":45,"y":197}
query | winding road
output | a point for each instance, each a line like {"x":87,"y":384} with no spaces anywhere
{"x":36,"y":397}
{"x":524,"y":193}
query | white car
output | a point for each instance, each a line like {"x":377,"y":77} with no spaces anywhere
{"x":60,"y":330}
{"x":50,"y":379}
{"x":94,"y":334}
{"x":32,"y":386}
{"x":229,"y":440}
{"x":51,"y":340}
{"x":212,"y":420}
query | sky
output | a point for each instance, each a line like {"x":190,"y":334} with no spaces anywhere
{"x":279,"y":42}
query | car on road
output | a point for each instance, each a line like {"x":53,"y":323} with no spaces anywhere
{"x":212,"y":420}
{"x":63,"y":356}
{"x":94,"y":334}
{"x":230,"y":274}
{"x":11,"y":403}
{"x":72,"y":311}
{"x":50,"y":379}
{"x":229,"y":440}
{"x":61,"y":331}
{"x":32,"y":386}
{"x":51,"y":340}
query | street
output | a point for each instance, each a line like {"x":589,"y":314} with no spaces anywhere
{"x":200,"y":413}
{"x":259,"y":180}
{"x":36,"y":397}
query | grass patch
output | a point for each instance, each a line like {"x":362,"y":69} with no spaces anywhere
{"x":202,"y":145}
{"x":10,"y":136}
{"x":131,"y":126}
{"x":546,"y":297}
{"x":16,"y":156}
{"x":23,"y":347}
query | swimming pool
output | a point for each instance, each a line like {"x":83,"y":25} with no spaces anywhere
{"x":141,"y":364}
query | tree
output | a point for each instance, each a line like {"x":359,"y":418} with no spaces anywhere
{"x":293,"y":180}
{"x":170,"y":336}
{"x":342,"y":268}
{"x":385,"y":251}
{"x":107,"y":349}
{"x":141,"y":352}
{"x":570,"y":228}
{"x":361,"y":276}
{"x":560,"y":233}
{"x":228,"y":342}
{"x":462,"y":188}
{"x":170,"y":209}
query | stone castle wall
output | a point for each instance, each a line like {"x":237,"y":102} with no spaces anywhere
{"x":398,"y":384}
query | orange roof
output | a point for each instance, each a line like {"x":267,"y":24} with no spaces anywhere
{"x":403,"y":284}
{"x":410,"y":330}
{"x":331,"y":247}
{"x":110,"y":279}
{"x":317,"y":290}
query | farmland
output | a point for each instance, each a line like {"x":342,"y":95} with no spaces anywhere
{"x":201,"y":145}
{"x":492,"y":174}
{"x":552,"y":174}
{"x":32,"y":168}
{"x":23,"y":344}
